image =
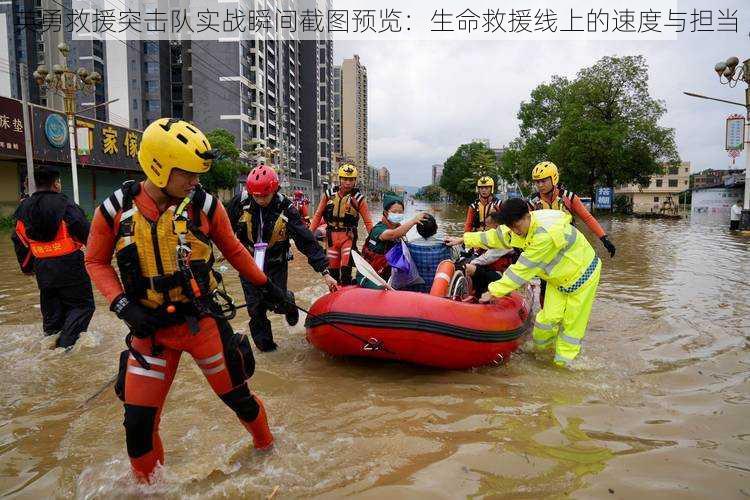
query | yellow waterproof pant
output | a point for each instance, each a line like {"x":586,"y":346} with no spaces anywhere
{"x":564,"y":318}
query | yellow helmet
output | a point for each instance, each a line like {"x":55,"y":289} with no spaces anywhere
{"x":486,"y":181}
{"x":169,"y":143}
{"x":348,"y":171}
{"x":545,"y":169}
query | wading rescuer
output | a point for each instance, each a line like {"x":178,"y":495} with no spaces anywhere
{"x":486,"y":203}
{"x":161,"y":233}
{"x":555,"y":251}
{"x":50,"y":232}
{"x":301,"y":204}
{"x":341,"y":208}
{"x":550,"y":195}
{"x":264,"y":220}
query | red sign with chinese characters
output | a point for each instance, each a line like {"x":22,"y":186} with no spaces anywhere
{"x":12,"y":142}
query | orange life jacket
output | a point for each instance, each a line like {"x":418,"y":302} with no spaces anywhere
{"x":62,"y":244}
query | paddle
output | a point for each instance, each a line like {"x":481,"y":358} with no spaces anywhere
{"x":366,"y":270}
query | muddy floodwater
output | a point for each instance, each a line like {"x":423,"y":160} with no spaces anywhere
{"x":657,"y":406}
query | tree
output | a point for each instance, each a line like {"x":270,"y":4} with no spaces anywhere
{"x":601,"y":128}
{"x":227,"y":167}
{"x":429,"y":193}
{"x":461,"y":171}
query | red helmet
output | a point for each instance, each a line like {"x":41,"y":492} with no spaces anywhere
{"x":262,"y":181}
{"x":298,"y":193}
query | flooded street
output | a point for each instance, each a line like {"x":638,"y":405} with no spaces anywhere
{"x":657,"y":406}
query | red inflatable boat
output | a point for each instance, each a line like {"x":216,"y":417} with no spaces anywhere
{"x":418,"y":327}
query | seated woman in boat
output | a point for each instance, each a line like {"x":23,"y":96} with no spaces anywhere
{"x":384,"y":235}
{"x":427,"y":252}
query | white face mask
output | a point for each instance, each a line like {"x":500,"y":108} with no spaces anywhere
{"x":395,"y":218}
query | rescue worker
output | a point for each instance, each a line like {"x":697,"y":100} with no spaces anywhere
{"x":550,"y":195}
{"x":264,"y":220}
{"x":386,"y":233}
{"x":49,"y":236}
{"x":341,"y":208}
{"x":555,"y":251}
{"x":301,"y":204}
{"x":161,"y":233}
{"x":486,"y":203}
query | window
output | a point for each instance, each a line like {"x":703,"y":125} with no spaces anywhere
{"x":673,"y":183}
{"x":686,"y":170}
{"x":685,"y":182}
{"x":135,"y":103}
{"x":151,"y":67}
{"x":322,"y":131}
{"x":150,"y":48}
{"x":322,"y":110}
{"x":151,"y":86}
{"x":659,"y":183}
{"x":656,"y":198}
{"x":322,"y":73}
{"x":674,"y":170}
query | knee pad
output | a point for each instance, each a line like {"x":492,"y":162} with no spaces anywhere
{"x":139,"y":429}
{"x":242,"y":403}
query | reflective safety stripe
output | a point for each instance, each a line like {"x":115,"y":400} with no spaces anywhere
{"x":151,"y":360}
{"x":484,"y":239}
{"x":128,"y":214}
{"x":540,"y":230}
{"x":562,"y":359}
{"x":119,"y":196}
{"x":442,"y":276}
{"x":214,"y":370}
{"x":212,"y":359}
{"x":570,"y":239}
{"x":528,"y":262}
{"x":109,"y":208}
{"x":514,"y":277}
{"x":136,"y":370}
{"x":207,"y":203}
{"x":543,"y":326}
{"x":543,"y":341}
{"x":570,"y":340}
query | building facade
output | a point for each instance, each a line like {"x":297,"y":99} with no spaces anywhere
{"x":350,"y":115}
{"x":662,"y":189}
{"x":437,"y":173}
{"x":384,"y":178}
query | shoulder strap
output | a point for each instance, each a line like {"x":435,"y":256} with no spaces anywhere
{"x":329,"y":193}
{"x":122,"y":199}
{"x":357,"y":196}
{"x":203,"y":202}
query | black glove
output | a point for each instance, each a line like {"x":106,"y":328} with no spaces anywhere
{"x":608,"y":245}
{"x":142,"y":321}
{"x":273,"y":294}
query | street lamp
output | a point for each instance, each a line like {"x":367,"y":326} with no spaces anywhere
{"x":731,"y":74}
{"x":68,"y":83}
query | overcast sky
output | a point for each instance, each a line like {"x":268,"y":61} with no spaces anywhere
{"x":426,"y":98}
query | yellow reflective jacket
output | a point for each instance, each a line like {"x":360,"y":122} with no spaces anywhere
{"x":553,"y":249}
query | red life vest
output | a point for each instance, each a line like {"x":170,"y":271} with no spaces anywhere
{"x":62,"y":244}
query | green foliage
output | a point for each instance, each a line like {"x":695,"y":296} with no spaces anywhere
{"x":464,"y":167}
{"x":227,"y":167}
{"x":7,"y":222}
{"x":600,"y":129}
{"x":429,"y":193}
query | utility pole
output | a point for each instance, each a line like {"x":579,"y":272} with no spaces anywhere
{"x":30,"y":185}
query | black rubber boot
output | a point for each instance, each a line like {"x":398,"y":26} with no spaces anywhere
{"x":260,"y":330}
{"x":292,"y":313}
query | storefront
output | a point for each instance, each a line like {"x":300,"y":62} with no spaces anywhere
{"x":107,"y":154}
